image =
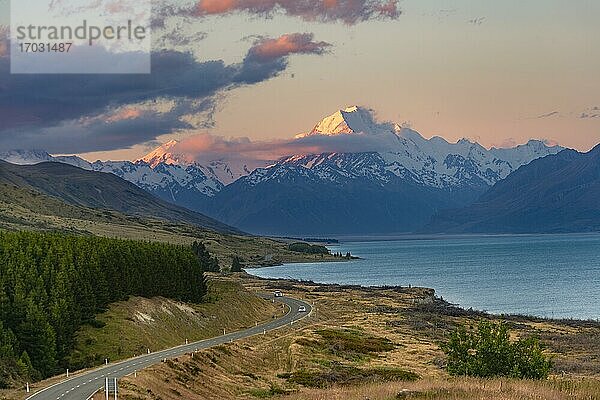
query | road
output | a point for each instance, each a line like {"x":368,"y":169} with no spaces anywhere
{"x":85,"y":385}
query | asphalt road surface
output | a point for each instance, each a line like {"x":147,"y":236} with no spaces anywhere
{"x":85,"y":385}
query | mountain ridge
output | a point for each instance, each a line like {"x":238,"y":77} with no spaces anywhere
{"x":383,"y":157}
{"x":99,"y":190}
{"x":555,"y":194}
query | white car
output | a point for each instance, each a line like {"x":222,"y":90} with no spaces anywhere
{"x":301,"y":309}
{"x":278,"y":293}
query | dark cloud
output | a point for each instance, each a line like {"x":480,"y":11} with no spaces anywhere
{"x":37,"y":99}
{"x":47,"y":110}
{"x":122,"y":128}
{"x":347,"y":11}
{"x":269,"y":56}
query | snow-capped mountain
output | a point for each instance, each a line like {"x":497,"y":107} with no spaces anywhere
{"x":381,"y":178}
{"x":223,"y":171}
{"x":27,"y":157}
{"x":169,"y":181}
{"x":388,"y":179}
{"x":392,"y":151}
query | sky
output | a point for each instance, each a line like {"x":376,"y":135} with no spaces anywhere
{"x":227,"y":73}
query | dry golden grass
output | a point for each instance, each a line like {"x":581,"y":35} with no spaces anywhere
{"x":460,"y":389}
{"x":410,"y":318}
{"x":260,"y":367}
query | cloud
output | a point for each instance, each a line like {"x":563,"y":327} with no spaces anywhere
{"x":205,"y":147}
{"x":347,"y":11}
{"x":267,"y":50}
{"x":27,"y":101}
{"x":86,"y":112}
{"x":267,"y":57}
{"x":177,"y":37}
{"x":550,"y":142}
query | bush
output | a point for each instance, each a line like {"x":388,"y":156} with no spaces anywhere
{"x":349,"y":344}
{"x":340,"y":374}
{"x":236,"y":265}
{"x":488,"y":352}
{"x":308,"y":248}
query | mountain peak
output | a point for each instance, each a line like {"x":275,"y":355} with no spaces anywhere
{"x":348,"y":121}
{"x":163,"y":155}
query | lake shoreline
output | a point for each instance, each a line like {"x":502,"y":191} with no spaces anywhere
{"x":435,"y":303}
{"x":549,"y":276}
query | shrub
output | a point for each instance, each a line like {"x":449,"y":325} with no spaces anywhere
{"x":308,"y":248}
{"x":349,"y":344}
{"x":488,"y":352}
{"x":236,"y":265}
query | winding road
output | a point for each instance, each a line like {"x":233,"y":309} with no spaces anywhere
{"x":84,"y":386}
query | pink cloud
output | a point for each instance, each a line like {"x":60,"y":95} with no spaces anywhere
{"x":506,"y":143}
{"x":204,"y":147}
{"x":348,"y":11}
{"x":124,"y":114}
{"x":550,"y":142}
{"x":294,"y":43}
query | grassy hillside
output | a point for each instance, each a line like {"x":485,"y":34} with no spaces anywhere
{"x":101,"y":191}
{"x":53,"y":284}
{"x":27,"y":209}
{"x":131,"y":327}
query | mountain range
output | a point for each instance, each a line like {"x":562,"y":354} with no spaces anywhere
{"x":555,"y":194}
{"x":386,"y":179}
{"x":101,"y":191}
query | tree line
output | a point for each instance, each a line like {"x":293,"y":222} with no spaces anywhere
{"x":51,"y":284}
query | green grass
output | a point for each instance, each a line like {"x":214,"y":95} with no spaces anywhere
{"x":130,"y":328}
{"x":348,"y":375}
{"x":25,"y":209}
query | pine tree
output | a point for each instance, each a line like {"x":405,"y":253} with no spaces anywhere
{"x":236,"y":265}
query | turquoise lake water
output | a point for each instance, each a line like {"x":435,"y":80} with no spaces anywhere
{"x":554,"y":276}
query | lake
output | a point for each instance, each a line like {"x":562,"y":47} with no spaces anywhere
{"x":555,"y":276}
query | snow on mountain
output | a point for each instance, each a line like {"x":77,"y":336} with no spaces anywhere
{"x":164,"y":155}
{"x":223,"y":171}
{"x":25,"y":157}
{"x":525,"y":153}
{"x":351,"y":120}
{"x":386,"y":153}
{"x":168,"y":180}
{"x":403,"y":153}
